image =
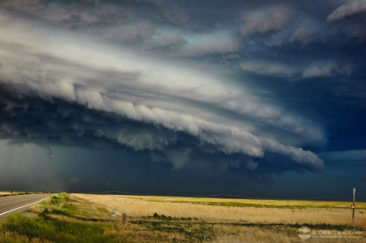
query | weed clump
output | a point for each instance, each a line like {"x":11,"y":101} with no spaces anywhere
{"x":163,"y":217}
{"x":52,"y":229}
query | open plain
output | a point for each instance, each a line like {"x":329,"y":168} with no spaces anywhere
{"x":98,"y":218}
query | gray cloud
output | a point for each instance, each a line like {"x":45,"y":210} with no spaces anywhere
{"x":325,"y":70}
{"x":266,"y":21}
{"x":223,"y":46}
{"x":295,"y":72}
{"x":268,"y":68}
{"x":309,"y":30}
{"x":30,"y":6}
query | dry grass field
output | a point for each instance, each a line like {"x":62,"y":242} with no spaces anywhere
{"x":7,"y":193}
{"x":4,"y":193}
{"x":89,"y":218}
{"x":272,"y":211}
{"x":246,"y":220}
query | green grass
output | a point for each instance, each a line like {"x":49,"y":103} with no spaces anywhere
{"x":45,"y":227}
{"x":60,"y":219}
{"x":10,"y":239}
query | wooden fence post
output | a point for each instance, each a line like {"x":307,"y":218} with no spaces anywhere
{"x":354,"y":204}
{"x":124,"y":218}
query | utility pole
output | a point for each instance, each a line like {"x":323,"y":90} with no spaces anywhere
{"x":353,"y":206}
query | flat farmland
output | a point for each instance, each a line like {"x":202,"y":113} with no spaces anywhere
{"x":240,"y":210}
{"x":325,"y":219}
{"x":99,"y":218}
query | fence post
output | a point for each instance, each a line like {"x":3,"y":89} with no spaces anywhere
{"x":354,"y":204}
{"x":124,"y":218}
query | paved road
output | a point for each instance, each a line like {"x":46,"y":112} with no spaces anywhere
{"x":18,"y":203}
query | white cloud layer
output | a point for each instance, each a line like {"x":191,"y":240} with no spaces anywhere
{"x":53,"y":63}
{"x":348,"y":9}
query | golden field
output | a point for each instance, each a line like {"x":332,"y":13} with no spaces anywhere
{"x":247,"y":220}
{"x":252,"y":211}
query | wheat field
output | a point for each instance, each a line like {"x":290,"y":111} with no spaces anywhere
{"x":302,"y":212}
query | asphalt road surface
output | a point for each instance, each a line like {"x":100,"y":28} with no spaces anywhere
{"x":18,"y":203}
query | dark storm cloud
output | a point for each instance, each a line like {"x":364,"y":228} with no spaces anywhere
{"x":248,"y":87}
{"x":32,"y":119}
{"x":141,"y":89}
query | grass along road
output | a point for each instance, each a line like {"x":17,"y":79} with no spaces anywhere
{"x":19,"y":202}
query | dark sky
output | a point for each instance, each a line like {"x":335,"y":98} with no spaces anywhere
{"x":259,"y":99}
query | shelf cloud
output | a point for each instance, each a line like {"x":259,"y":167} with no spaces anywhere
{"x":48,"y":64}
